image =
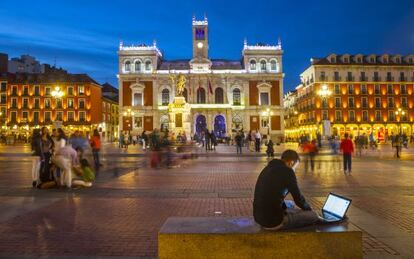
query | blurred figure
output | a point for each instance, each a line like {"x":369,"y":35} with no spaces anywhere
{"x":239,"y":142}
{"x":65,"y":159}
{"x":213,"y":140}
{"x":134,"y":139}
{"x":59,"y":140}
{"x":122,"y":140}
{"x":208,"y":139}
{"x":270,"y":151}
{"x":47,"y":149}
{"x":85,"y":174}
{"x":96,"y":147}
{"x":37,"y":156}
{"x":144,"y":139}
{"x":397,"y":144}
{"x":258,"y":139}
{"x":347,"y":149}
{"x":359,"y":143}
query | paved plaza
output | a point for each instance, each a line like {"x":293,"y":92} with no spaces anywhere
{"x":122,"y":213}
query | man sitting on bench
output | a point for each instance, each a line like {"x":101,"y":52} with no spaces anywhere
{"x":270,"y":209}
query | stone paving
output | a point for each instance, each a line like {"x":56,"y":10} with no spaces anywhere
{"x":121,"y":215}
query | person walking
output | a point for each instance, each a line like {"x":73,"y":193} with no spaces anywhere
{"x":213,"y":139}
{"x":144,"y":139}
{"x":397,"y":143}
{"x":347,"y":149}
{"x":270,"y":151}
{"x":37,"y":156}
{"x":239,"y":142}
{"x":96,"y":147}
{"x":208,"y":140}
{"x":258,"y":139}
{"x":47,"y":148}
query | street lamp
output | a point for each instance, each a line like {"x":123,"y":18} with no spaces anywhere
{"x":57,"y":93}
{"x":268,"y":113}
{"x":324,"y":93}
{"x":400,"y":112}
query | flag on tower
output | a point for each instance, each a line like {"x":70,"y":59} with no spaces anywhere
{"x":210,"y":89}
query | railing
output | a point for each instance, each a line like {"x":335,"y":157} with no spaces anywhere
{"x":390,"y":78}
{"x":376,"y":79}
{"x":349,"y":78}
{"x":337,"y":78}
{"x":363,"y":78}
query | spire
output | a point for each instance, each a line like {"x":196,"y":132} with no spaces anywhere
{"x":154,"y":43}
{"x":245,"y":42}
{"x":121,"y":44}
{"x":205,"y":17}
{"x":194,"y":17}
{"x":279,"y":42}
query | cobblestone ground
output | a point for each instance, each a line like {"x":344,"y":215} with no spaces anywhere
{"x":121,"y":215}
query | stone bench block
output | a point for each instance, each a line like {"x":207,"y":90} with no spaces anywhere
{"x":241,"y":237}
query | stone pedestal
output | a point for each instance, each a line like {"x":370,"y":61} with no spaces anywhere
{"x":179,"y":115}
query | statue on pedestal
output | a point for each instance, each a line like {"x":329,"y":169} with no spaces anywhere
{"x":179,"y":84}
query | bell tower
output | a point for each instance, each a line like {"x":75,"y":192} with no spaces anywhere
{"x":200,"y":39}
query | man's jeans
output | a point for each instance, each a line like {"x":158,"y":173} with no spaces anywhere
{"x":297,"y":218}
{"x":347,"y":162}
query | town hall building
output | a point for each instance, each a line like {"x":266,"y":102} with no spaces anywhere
{"x":220,"y":95}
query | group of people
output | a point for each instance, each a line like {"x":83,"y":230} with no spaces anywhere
{"x":207,"y":139}
{"x":59,"y":161}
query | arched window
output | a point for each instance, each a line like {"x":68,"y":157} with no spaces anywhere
{"x":201,"y":95}
{"x":148,"y":65}
{"x":219,"y":95}
{"x":263,"y":65}
{"x":137,"y":66}
{"x":185,"y":94}
{"x":252,"y":64}
{"x":137,"y":99}
{"x":273,"y":65}
{"x":165,"y":96}
{"x":236,"y":96}
{"x":127,"y":66}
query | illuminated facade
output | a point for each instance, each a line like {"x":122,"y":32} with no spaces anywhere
{"x":223,"y":95}
{"x":356,"y":94}
{"x":110,"y":113}
{"x":69,"y":100}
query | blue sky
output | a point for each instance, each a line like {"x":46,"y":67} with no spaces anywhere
{"x":83,"y":36}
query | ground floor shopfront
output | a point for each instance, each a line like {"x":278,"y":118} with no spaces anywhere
{"x":380,"y":131}
{"x":223,"y":122}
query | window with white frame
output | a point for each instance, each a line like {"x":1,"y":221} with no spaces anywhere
{"x":263,"y":65}
{"x":273,"y":65}
{"x":137,"y":99}
{"x":404,"y":103}
{"x":324,"y":115}
{"x":25,"y":116}
{"x":70,"y":90}
{"x":71,"y":116}
{"x":70,"y":103}
{"x":391,"y":116}
{"x":165,"y":96}
{"x":82,"y":116}
{"x":48,"y":116}
{"x":47,"y":103}
{"x":264,"y":98}
{"x":127,"y":66}
{"x":81,"y":104}
{"x":81,"y":90}
{"x":351,"y":115}
{"x":378,"y":115}
{"x":252,"y":64}
{"x":37,"y":103}
{"x":137,"y":66}
{"x":59,"y":116}
{"x":36,"y":117}
{"x":148,"y":65}
{"x":236,"y":96}
{"x":13,"y":116}
{"x":25,"y":103}
{"x":338,"y":115}
{"x":365,"y":116}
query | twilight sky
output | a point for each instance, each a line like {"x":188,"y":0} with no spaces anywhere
{"x":83,"y":36}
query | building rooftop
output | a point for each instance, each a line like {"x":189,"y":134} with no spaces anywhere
{"x":49,"y":78}
{"x":366,"y":60}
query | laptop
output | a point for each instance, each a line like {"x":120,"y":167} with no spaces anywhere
{"x":335,"y":207}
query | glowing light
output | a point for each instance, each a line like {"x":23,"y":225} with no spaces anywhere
{"x":200,"y":45}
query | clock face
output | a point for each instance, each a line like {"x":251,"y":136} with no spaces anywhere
{"x":200,"y":45}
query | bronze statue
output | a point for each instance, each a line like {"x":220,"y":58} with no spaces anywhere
{"x":180,"y":84}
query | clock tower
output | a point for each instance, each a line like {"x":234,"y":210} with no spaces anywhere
{"x":200,"y":40}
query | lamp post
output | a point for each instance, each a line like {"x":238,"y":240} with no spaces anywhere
{"x":268,"y":113}
{"x":57,"y":94}
{"x":324,"y":94}
{"x":128,"y":113}
{"x":399,"y":113}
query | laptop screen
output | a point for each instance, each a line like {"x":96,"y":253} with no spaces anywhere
{"x":336,"y":205}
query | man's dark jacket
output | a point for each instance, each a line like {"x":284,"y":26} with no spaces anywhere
{"x":274,"y":183}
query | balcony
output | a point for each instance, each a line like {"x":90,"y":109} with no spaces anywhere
{"x":403,"y":79}
{"x":349,"y":78}
{"x":363,"y":78}
{"x":376,"y":78}
{"x":390,"y":79}
{"x":323,"y":78}
{"x":337,"y":78}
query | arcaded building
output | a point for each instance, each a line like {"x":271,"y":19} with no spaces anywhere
{"x":223,"y":95}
